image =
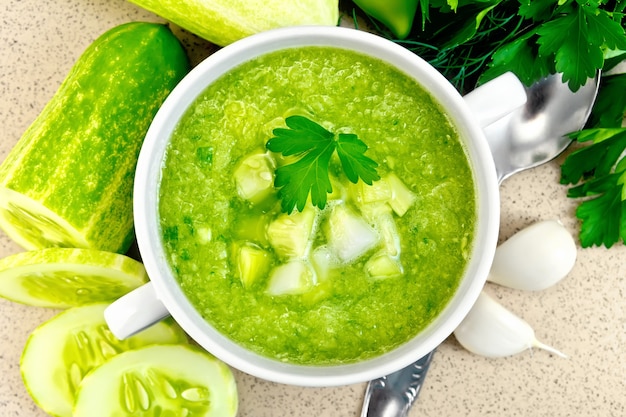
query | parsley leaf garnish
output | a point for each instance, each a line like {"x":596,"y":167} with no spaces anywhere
{"x":309,"y":174}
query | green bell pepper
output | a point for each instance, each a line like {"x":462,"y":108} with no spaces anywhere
{"x":396,"y":15}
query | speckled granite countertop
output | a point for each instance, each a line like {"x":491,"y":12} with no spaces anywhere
{"x":584,"y":315}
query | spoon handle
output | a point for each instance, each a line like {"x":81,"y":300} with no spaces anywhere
{"x":392,"y":395}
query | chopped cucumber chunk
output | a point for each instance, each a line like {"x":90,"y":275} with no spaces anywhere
{"x":253,"y":228}
{"x":59,"y":353}
{"x":252,"y":263}
{"x":382,"y":266}
{"x":386,"y":226}
{"x":294,"y":277}
{"x":371,"y":212}
{"x":379,"y":191}
{"x":323,"y":261}
{"x":255,"y":177}
{"x":349,"y":235}
{"x":159,"y":380}
{"x":290,"y":234}
{"x":402,"y":198}
{"x":380,"y":215}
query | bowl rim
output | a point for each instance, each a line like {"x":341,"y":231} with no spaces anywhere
{"x":145,"y":203}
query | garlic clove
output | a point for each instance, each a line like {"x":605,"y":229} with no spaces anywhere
{"x":491,"y":330}
{"x":535,"y":258}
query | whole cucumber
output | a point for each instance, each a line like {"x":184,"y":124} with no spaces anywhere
{"x":68,"y":180}
{"x":225,"y":21}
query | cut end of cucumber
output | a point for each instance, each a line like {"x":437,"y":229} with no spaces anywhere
{"x":33,"y":226}
{"x":64,"y":277}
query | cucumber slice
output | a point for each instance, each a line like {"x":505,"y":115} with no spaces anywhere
{"x":65,"y":277}
{"x":26,"y":221}
{"x":60,"y":352}
{"x":159,"y":380}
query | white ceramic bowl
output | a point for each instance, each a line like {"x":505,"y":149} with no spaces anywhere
{"x":147,"y":217}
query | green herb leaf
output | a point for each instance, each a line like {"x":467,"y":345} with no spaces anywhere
{"x":609,"y":109}
{"x":604,"y":216}
{"x":597,"y":159}
{"x":576,"y":54}
{"x":351,"y":151}
{"x":538,"y":11}
{"x":515,"y":56}
{"x":603,"y":169}
{"x":309,"y":174}
{"x":461,"y":39}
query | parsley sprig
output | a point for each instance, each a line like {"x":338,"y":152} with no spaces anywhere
{"x":597,"y":170}
{"x":309,"y":174}
{"x":531,"y":38}
{"x":568,"y":37}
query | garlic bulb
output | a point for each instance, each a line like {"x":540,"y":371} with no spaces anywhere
{"x":535,"y":258}
{"x":491,"y":330}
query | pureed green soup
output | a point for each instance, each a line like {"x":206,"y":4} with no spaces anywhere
{"x":351,"y":281}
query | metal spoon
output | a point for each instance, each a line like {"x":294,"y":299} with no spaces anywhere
{"x":536,"y":133}
{"x":526,"y":138}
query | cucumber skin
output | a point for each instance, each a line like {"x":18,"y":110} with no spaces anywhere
{"x":223,"y":22}
{"x":79,"y":155}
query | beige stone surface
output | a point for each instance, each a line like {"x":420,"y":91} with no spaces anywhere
{"x":584,"y":315}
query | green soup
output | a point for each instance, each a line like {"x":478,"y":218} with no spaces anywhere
{"x":226,"y":249}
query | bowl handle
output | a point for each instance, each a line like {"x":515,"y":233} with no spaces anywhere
{"x":134,"y":312}
{"x":496,"y":98}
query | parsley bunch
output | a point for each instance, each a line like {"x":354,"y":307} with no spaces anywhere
{"x":309,"y":174}
{"x":477,"y":40}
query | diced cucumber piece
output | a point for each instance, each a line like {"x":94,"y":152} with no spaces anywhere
{"x":382,"y":265}
{"x":349,"y":235}
{"x":379,"y":191}
{"x":290,"y":234}
{"x":66,"y":277}
{"x":59,"y":353}
{"x":204,"y":235}
{"x":323,"y":261}
{"x":254,"y":177}
{"x":402,"y":198}
{"x":294,"y":277}
{"x":159,"y":380}
{"x":386,"y":226}
{"x":252,"y":263}
{"x":372,"y":211}
{"x":380,"y":215}
{"x":253,"y":228}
